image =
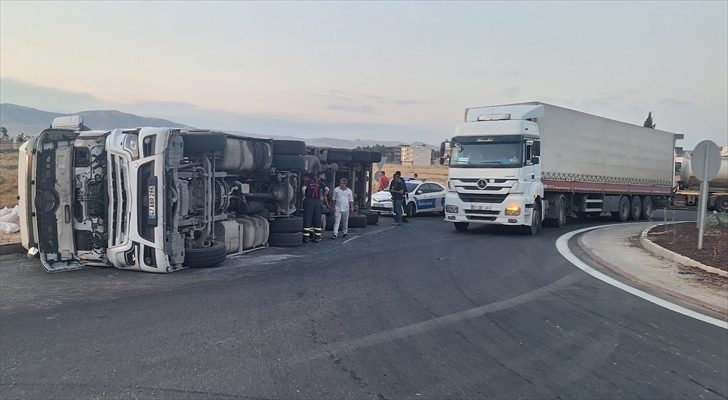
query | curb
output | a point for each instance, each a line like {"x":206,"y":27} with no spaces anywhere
{"x":651,"y":286}
{"x":671,"y":255}
{"x":11,"y":248}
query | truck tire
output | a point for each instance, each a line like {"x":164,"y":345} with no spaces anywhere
{"x":338,"y":155}
{"x":560,"y":219}
{"x":313,"y":164}
{"x":289,"y":163}
{"x":646,"y":207}
{"x":360,"y":156}
{"x":376,"y":157}
{"x":635,"y":208}
{"x":288,"y":239}
{"x":330,"y":220}
{"x":721,"y":204}
{"x":357,"y":221}
{"x":372,"y":217}
{"x":205,"y":257}
{"x":287,"y":225}
{"x":289,"y":147}
{"x":198,"y":143}
{"x":535,"y":221}
{"x":411,"y":210}
{"x":623,"y":213}
{"x":461,"y":226}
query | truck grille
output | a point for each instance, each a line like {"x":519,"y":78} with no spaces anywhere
{"x":119,"y":204}
{"x":480,"y":218}
{"x":482,"y":198}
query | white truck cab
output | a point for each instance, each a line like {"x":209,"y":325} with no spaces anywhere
{"x":494,"y":165}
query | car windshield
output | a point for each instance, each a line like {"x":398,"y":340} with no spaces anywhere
{"x":411,"y":187}
{"x":493,"y":154}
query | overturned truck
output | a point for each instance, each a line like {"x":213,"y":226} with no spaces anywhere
{"x":156,"y":199}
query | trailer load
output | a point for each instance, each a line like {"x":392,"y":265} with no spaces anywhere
{"x":531,"y":163}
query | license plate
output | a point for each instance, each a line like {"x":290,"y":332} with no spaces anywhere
{"x":152,"y":195}
{"x":479,"y":207}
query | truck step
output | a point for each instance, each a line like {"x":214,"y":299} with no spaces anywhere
{"x":592,"y":210}
{"x":593,"y":200}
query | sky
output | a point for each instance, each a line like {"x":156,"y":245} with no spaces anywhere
{"x":373,"y":70}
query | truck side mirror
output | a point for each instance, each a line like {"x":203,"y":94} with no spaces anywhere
{"x":442,"y":153}
{"x":536,"y":149}
{"x":536,"y":160}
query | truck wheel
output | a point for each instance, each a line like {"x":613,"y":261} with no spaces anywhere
{"x":360,"y":156}
{"x":198,"y":143}
{"x":313,"y":164}
{"x":411,"y":210}
{"x":635,"y":210}
{"x":623,"y":213}
{"x":535,"y":221}
{"x":376,"y":157}
{"x":357,"y":221}
{"x":560,"y":219}
{"x":372,"y":217}
{"x":461,"y":226}
{"x":205,"y":257}
{"x":646,"y":207}
{"x":289,"y":163}
{"x":289,"y":147}
{"x":287,"y":225}
{"x":288,"y":239}
{"x":721,"y":203}
{"x":338,"y":155}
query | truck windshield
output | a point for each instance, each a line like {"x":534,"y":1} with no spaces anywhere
{"x":490,"y":154}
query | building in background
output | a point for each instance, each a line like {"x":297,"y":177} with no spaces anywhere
{"x":393,"y":154}
{"x":416,"y":156}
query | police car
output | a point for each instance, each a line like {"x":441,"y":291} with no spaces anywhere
{"x":423,"y":197}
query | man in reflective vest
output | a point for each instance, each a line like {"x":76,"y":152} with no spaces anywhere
{"x":313,"y":192}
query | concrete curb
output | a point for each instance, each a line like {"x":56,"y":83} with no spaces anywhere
{"x":671,"y":255}
{"x":11,"y":248}
{"x":655,"y":288}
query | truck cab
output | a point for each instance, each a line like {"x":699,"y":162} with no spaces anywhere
{"x":495,"y":173}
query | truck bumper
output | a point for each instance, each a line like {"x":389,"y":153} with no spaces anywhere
{"x":504,"y":213}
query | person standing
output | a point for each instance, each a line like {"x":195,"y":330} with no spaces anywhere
{"x":404,"y":211}
{"x":343,"y":203}
{"x":397,"y":190}
{"x":383,"y":181}
{"x":312,"y":193}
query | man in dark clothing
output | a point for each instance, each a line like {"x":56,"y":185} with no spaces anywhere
{"x":397,"y":188}
{"x":404,"y":211}
{"x":312,"y":192}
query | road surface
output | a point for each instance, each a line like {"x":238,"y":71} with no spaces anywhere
{"x":419,"y":311}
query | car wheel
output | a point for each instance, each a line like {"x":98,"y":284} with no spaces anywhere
{"x":411,"y":210}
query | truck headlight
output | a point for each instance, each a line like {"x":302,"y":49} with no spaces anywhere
{"x":451,"y":209}
{"x":513,"y":210}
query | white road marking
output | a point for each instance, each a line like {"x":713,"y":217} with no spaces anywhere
{"x":562,"y":244}
{"x":367,"y":234}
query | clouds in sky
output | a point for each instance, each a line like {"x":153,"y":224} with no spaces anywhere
{"x":369,"y":68}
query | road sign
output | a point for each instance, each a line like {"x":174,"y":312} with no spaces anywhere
{"x":705,"y":164}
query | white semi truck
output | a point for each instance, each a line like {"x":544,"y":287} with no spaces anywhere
{"x":532,"y":163}
{"x":162,"y":199}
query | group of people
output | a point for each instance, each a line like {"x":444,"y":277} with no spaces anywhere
{"x":314,"y":193}
{"x":398,"y":189}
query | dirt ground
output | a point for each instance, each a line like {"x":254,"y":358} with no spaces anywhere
{"x":8,"y":179}
{"x":682,"y":238}
{"x":432,"y":174}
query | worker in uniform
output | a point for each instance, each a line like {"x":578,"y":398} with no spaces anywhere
{"x":313,"y":192}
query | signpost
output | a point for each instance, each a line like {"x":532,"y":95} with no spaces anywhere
{"x":705,"y":164}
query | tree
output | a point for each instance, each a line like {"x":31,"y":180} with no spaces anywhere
{"x":648,"y":122}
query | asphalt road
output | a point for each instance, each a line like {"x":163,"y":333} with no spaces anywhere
{"x":419,"y":311}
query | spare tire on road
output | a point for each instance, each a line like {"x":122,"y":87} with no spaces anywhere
{"x":287,"y":225}
{"x":290,"y":239}
{"x":372,"y":217}
{"x":357,"y":221}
